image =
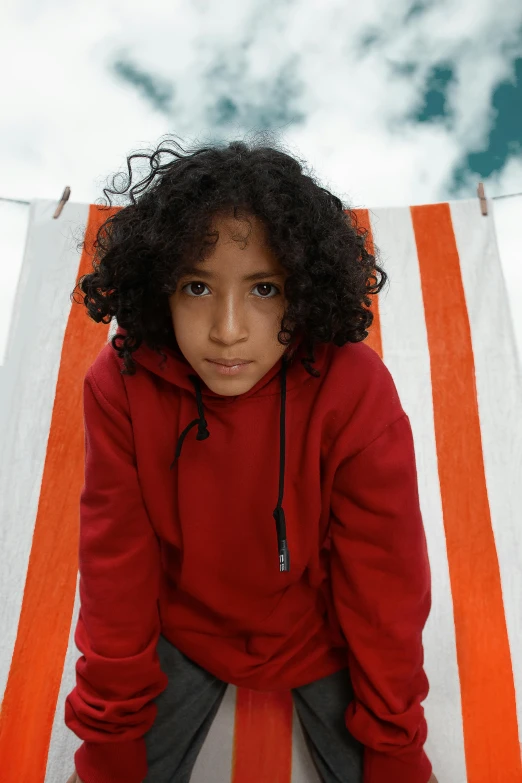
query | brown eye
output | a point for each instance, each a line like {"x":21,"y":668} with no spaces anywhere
{"x":267,"y":294}
{"x":194,"y":289}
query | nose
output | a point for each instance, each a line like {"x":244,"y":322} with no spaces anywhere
{"x":229,"y":322}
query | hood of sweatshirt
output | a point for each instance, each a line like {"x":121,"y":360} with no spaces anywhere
{"x":287,"y":373}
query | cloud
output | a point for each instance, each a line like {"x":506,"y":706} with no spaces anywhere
{"x":391,"y":103}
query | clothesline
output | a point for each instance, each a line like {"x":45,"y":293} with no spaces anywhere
{"x":492,"y":198}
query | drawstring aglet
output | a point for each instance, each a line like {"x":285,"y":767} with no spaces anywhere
{"x":284,"y":556}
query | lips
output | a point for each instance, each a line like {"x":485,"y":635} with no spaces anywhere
{"x":229,"y":362}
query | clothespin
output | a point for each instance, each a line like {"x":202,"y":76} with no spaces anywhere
{"x":482,"y":197}
{"x":65,"y":197}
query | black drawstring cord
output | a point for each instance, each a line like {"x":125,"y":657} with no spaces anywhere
{"x":203,"y":434}
{"x":279,"y":514}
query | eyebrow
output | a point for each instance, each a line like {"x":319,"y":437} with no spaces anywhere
{"x":261,"y":275}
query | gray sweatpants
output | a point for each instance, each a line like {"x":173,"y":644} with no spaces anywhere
{"x":188,"y":705}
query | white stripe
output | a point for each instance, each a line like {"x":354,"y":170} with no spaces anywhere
{"x":303,"y":768}
{"x":14,"y":220}
{"x":214,"y":762}
{"x":507,"y":214}
{"x":64,"y":743}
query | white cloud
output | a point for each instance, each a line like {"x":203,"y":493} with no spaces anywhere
{"x":67,"y":119}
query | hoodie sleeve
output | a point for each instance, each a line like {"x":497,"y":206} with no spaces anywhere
{"x":118,"y":675}
{"x":381,"y":586}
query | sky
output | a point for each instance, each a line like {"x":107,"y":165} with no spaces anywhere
{"x":389,"y":103}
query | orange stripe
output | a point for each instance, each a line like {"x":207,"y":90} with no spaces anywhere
{"x":374,"y":339}
{"x":262,"y":737}
{"x":486,"y":679}
{"x":35,"y":675}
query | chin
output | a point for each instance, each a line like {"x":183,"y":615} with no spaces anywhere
{"x":229,"y":387}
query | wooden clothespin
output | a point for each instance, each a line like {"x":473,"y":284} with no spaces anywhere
{"x":482,"y":198}
{"x":65,"y":197}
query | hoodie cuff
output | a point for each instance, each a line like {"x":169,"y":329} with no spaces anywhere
{"x":112,"y":762}
{"x":385,"y":768}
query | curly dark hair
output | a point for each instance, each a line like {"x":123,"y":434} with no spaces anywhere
{"x":142,"y":249}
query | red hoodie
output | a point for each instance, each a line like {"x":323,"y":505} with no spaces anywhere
{"x":188,"y":547}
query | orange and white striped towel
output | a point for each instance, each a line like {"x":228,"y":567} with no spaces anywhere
{"x":443,"y":328}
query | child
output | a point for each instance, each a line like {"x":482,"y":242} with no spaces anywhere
{"x":250,"y":513}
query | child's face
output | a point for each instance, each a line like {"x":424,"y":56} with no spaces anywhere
{"x":218,"y":314}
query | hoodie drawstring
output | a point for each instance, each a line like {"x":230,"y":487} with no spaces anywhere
{"x":203,"y":434}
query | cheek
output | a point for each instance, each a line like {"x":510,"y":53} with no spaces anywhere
{"x":179,"y":311}
{"x":276,"y":318}
{"x":187,"y":329}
